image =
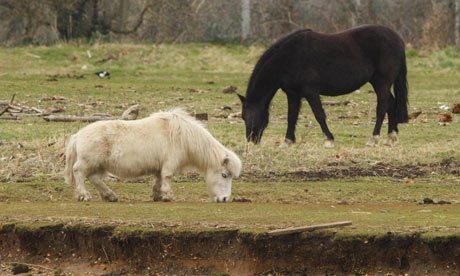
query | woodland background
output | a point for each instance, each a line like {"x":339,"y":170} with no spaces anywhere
{"x":431,"y":24}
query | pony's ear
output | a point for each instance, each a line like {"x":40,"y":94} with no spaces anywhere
{"x":225,"y":161}
{"x":242,"y":98}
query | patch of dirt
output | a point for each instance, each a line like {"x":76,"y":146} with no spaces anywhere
{"x":109,"y":250}
{"x":341,"y":169}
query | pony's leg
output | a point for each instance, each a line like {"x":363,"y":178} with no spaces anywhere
{"x":106,"y":193}
{"x":80,"y":173}
{"x":156,"y":193}
{"x":317,"y":107}
{"x":392,"y":122}
{"x":294,"y":103}
{"x":166,"y":192}
{"x":383,"y":93}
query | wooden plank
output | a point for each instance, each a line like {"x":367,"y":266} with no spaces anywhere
{"x":307,"y":228}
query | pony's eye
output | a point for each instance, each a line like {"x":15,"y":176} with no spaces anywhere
{"x":224,"y":175}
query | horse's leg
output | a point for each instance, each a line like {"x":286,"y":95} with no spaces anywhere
{"x":383,"y":93}
{"x":294,"y":103}
{"x":166,"y":192}
{"x":392,"y":122}
{"x":106,"y":193}
{"x":317,"y":107}
{"x":80,"y":173}
{"x":156,"y":194}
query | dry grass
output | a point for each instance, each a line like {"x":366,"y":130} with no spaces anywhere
{"x":163,"y":76}
{"x":160,"y":77}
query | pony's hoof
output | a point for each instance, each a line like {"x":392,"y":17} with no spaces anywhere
{"x":389,"y":143}
{"x":392,"y":139}
{"x":329,"y":144}
{"x":168,"y":199}
{"x":110,"y":197}
{"x":164,"y":198}
{"x":287,"y":143}
{"x":373,"y":141}
{"x":84,"y":197}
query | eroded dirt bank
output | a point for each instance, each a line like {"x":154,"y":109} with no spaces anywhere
{"x":114,"y":250}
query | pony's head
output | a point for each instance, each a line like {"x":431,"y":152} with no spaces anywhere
{"x":255,"y":117}
{"x":219,"y":180}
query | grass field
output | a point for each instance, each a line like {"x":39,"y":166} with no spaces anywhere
{"x":380,"y":189}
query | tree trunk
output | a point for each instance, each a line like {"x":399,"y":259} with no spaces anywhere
{"x":245,"y":19}
{"x":457,"y":23}
{"x":356,"y":15}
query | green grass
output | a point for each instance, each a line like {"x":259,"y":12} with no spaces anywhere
{"x":160,"y":77}
{"x":375,"y":205}
{"x":366,"y":218}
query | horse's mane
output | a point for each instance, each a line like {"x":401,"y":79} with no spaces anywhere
{"x":269,"y":53}
{"x":191,"y":135}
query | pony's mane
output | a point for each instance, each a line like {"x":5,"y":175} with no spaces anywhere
{"x":191,"y":135}
{"x":269,"y":53}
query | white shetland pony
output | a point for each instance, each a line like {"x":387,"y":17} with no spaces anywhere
{"x":163,"y":144}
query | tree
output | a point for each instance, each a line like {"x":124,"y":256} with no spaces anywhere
{"x":245,"y":19}
{"x":457,"y":23}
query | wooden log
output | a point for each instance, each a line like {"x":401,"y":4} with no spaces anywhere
{"x":201,"y":116}
{"x":20,"y":114}
{"x":3,"y":110}
{"x":14,"y":107}
{"x":71,"y":118}
{"x":336,"y":102}
{"x":37,"y":110}
{"x":130,"y":114}
{"x":307,"y":228}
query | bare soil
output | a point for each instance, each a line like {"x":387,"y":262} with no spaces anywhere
{"x":109,"y":250}
{"x":338,"y":169}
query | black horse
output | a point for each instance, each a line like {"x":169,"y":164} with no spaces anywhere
{"x":307,"y":64}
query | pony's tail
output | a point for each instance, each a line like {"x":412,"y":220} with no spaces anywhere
{"x":70,"y":159}
{"x":401,"y":94}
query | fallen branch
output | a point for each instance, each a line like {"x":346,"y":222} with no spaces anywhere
{"x":307,"y":228}
{"x":32,"y":55}
{"x":3,"y":110}
{"x":12,"y":99}
{"x":7,"y":104}
{"x":336,"y":102}
{"x":130,"y":114}
{"x":21,"y":114}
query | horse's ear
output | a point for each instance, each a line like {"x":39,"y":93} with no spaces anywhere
{"x":242,"y":98}
{"x":225,"y":161}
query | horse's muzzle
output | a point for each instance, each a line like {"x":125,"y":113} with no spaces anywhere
{"x":221,"y":200}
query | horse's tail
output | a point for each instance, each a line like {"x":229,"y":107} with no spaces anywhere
{"x":70,"y":159}
{"x":401,"y":94}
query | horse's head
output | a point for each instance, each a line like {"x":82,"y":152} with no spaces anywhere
{"x":255,"y":117}
{"x":219,"y":180}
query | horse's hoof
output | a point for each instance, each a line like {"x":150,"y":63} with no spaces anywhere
{"x":157,"y":198}
{"x":392,"y":139}
{"x":110,"y":197}
{"x":287,"y":143}
{"x":373,"y":141}
{"x":169,"y":199}
{"x":84,"y":197}
{"x":329,"y":144}
{"x":164,"y":198}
